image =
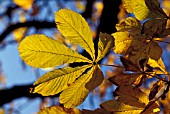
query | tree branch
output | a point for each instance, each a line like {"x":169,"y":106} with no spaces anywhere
{"x":36,"y":24}
{"x":7,"y":95}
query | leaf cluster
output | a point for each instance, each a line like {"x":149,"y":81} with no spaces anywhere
{"x":137,"y":41}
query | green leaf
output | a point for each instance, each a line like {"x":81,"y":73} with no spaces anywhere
{"x":41,"y":51}
{"x":75,"y":28}
{"x":76,"y":93}
{"x":57,"y":80}
{"x":105,"y":44}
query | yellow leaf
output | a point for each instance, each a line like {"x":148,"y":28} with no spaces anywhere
{"x":157,"y":64}
{"x":129,"y":23}
{"x":117,"y":107}
{"x":131,"y":96}
{"x":75,"y":28}
{"x":25,"y":4}
{"x":124,"y":42}
{"x":105,"y":44}
{"x":96,"y":80}
{"x":59,"y":110}
{"x":41,"y":51}
{"x":76,"y":93}
{"x":143,"y":9}
{"x":19,"y":33}
{"x":57,"y":80}
{"x":137,"y":7}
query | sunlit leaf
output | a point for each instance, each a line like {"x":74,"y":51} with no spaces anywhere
{"x":157,"y":65}
{"x":25,"y":4}
{"x":155,"y":88}
{"x":124,"y":42}
{"x":105,"y":44}
{"x":143,"y":9}
{"x":57,"y":80}
{"x":59,"y":110}
{"x":129,"y":23}
{"x":19,"y":33}
{"x":96,"y":111}
{"x":41,"y":51}
{"x":131,"y":96}
{"x":117,"y":107}
{"x":124,"y":79}
{"x":76,"y":93}
{"x":137,"y":7}
{"x":151,"y":108}
{"x":75,"y":28}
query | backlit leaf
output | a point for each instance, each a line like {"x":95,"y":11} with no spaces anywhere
{"x":105,"y":44}
{"x":57,"y":80}
{"x":137,"y":7}
{"x":117,"y":107}
{"x":155,"y":88}
{"x":157,"y":65}
{"x":76,"y":93}
{"x":124,"y":79}
{"x":25,"y":4}
{"x":129,"y":23}
{"x":75,"y":28}
{"x":41,"y":51}
{"x":131,"y":96}
{"x":124,"y":41}
{"x":59,"y":110}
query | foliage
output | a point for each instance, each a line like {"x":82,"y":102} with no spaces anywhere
{"x":137,"y":41}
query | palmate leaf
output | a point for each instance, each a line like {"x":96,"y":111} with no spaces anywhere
{"x":105,"y":44}
{"x":57,"y":80}
{"x":76,"y":93}
{"x":41,"y":51}
{"x":74,"y":27}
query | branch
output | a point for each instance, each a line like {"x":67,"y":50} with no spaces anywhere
{"x":36,"y":24}
{"x":7,"y":95}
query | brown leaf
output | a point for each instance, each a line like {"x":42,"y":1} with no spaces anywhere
{"x":124,"y":79}
{"x":154,"y":7}
{"x":155,"y":88}
{"x":96,"y":111}
{"x":151,"y":108}
{"x":131,"y":96}
{"x":154,"y":27}
{"x":129,"y":66}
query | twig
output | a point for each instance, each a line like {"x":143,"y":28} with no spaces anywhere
{"x":112,"y":65}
